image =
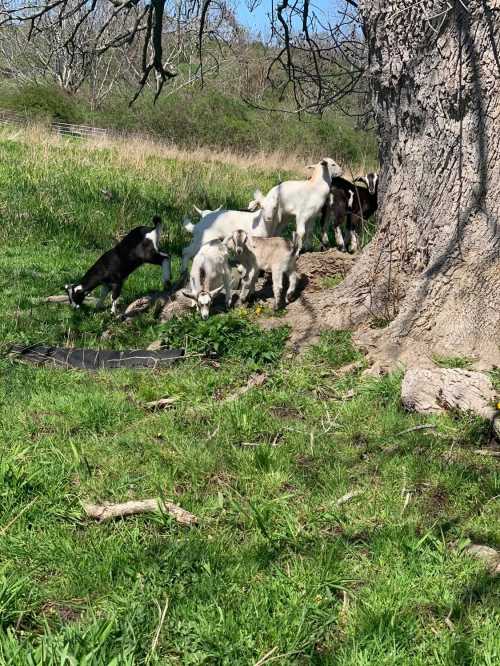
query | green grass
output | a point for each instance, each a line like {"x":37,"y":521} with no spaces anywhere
{"x":275,"y":566}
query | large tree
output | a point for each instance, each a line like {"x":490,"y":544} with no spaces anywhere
{"x":432,"y":271}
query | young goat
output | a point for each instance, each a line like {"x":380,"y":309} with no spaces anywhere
{"x":349,"y":203}
{"x":140,"y":246}
{"x":273,"y":255}
{"x":218,"y":224}
{"x":210,"y":274}
{"x":298,"y":199}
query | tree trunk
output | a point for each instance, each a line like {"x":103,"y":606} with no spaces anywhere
{"x":433,"y":268}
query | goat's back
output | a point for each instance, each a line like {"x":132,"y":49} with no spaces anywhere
{"x":272,"y":250}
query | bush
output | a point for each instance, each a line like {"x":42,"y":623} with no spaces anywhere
{"x":45,"y":101}
{"x":229,"y":335}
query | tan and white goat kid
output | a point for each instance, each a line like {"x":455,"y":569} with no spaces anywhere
{"x":210,"y":274}
{"x":274,"y":255}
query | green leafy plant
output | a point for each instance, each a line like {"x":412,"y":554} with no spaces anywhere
{"x":229,"y":335}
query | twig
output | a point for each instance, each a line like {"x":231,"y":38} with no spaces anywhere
{"x":265,"y":658}
{"x":255,"y":380}
{"x":425,"y":426}
{"x":487,"y":452}
{"x":348,"y":497}
{"x":18,"y":515}
{"x":158,"y":631}
{"x":103,"y":512}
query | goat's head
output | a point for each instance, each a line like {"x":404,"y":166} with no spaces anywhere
{"x":334,"y":170}
{"x":76,"y":294}
{"x":370,"y":180}
{"x":236,"y":241}
{"x":202,"y":301}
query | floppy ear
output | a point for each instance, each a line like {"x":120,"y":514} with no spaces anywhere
{"x":214,"y":292}
{"x":227,"y":241}
{"x":243,"y":236}
{"x":197,"y":210}
{"x":188,"y":294}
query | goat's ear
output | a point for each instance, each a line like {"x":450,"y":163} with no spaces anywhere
{"x":214,"y":292}
{"x":188,"y":294}
{"x":197,"y":210}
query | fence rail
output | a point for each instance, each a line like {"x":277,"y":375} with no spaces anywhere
{"x":66,"y":129}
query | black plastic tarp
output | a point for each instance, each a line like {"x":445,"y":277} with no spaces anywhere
{"x":96,"y":359}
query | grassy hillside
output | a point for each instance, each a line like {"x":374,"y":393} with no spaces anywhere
{"x":193,"y":117}
{"x":277,"y":571}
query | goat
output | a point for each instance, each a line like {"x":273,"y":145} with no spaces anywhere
{"x":351,"y":203}
{"x":273,"y":255}
{"x":299,"y":199}
{"x":210,"y":274}
{"x":217,"y":225}
{"x":139,"y":246}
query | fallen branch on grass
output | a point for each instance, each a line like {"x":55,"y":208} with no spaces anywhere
{"x":62,"y":298}
{"x":487,"y":452}
{"x":108,"y":511}
{"x":163,"y":403}
{"x":255,"y":380}
{"x":424,"y":426}
{"x":348,"y":497}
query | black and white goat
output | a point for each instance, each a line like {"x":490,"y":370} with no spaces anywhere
{"x":351,"y":204}
{"x":140,"y":246}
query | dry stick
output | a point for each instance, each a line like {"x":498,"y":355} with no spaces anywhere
{"x":265,"y":658}
{"x":425,"y":426}
{"x":255,"y":380}
{"x":18,"y":515}
{"x":487,"y":452}
{"x":158,"y":631}
{"x":348,"y":497}
{"x":108,"y":511}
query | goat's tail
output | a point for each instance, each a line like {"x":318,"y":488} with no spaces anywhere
{"x":258,"y":201}
{"x":188,"y":225}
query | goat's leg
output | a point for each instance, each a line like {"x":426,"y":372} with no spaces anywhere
{"x":248,"y":285}
{"x":162,"y":259}
{"x":301,"y":234}
{"x":353,"y":236}
{"x":277,"y":286}
{"x":339,"y":239}
{"x":293,"y":278}
{"x":326,"y":219}
{"x":116,"y":290}
{"x":227,"y":287}
{"x":105,"y":289}
{"x":187,"y":254}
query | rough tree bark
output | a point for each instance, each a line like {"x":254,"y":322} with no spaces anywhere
{"x":433,"y":268}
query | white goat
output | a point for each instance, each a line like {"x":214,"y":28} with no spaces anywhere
{"x":219,"y":224}
{"x":299,"y":199}
{"x":210,"y":274}
{"x":273,"y":255}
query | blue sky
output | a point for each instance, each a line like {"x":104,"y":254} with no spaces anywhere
{"x":258,"y":19}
